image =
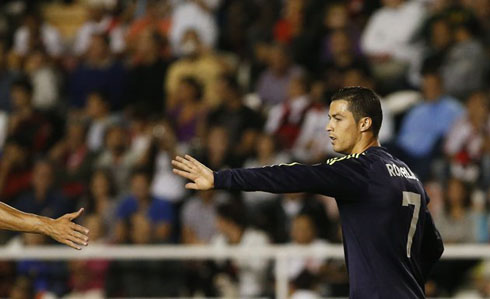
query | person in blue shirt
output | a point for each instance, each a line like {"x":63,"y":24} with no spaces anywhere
{"x":424,"y":127}
{"x":390,"y":241}
{"x":158,"y":212}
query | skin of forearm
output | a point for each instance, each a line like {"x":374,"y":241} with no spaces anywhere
{"x":13,"y":219}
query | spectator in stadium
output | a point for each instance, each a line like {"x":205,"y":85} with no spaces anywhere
{"x":199,"y":62}
{"x":466,"y":63}
{"x":242,"y":122}
{"x":456,"y":224}
{"x":44,"y":78}
{"x":312,"y":144}
{"x":72,"y":159}
{"x":7,"y":77}
{"x":144,"y":278}
{"x":36,"y":33}
{"x":15,"y":169}
{"x":277,"y":216}
{"x":155,"y":20}
{"x":150,"y":219}
{"x":285,"y":119}
{"x":43,"y":197}
{"x":140,"y":130}
{"x":117,"y":157}
{"x":196,"y":15}
{"x":49,"y":279}
{"x":187,"y":116}
{"x":198,"y":221}
{"x":88,"y":277}
{"x":233,"y":230}
{"x":342,"y":57}
{"x":272,"y":85}
{"x":291,"y":23}
{"x":21,"y":288}
{"x":438,"y":39}
{"x":216,"y":149}
{"x":464,"y":143}
{"x":304,"y":286}
{"x":25,"y":122}
{"x":97,"y":112}
{"x":97,"y":70}
{"x":157,"y":157}
{"x":199,"y":218}
{"x":267,"y":152}
{"x":146,"y":73}
{"x":424,"y":126}
{"x":336,"y":17}
{"x":386,"y":40}
{"x":101,"y":203}
{"x":303,"y":232}
{"x":234,"y":35}
{"x":99,"y":21}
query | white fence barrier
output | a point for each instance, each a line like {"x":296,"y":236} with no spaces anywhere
{"x":280,"y":254}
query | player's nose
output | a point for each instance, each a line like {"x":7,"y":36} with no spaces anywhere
{"x":328,"y":127}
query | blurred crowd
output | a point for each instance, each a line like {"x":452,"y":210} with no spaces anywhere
{"x":97,"y":97}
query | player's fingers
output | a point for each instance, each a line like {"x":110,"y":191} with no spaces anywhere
{"x":192,"y":186}
{"x":79,"y":228}
{"x":186,"y":162}
{"x":81,"y":237}
{"x":184,"y":174}
{"x":77,"y":242}
{"x":181,"y":166}
{"x":196,"y":163}
{"x":71,"y":244}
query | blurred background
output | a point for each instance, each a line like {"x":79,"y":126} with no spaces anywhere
{"x":97,"y":96}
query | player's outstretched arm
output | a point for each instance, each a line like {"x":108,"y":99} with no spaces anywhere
{"x":62,"y":229}
{"x":337,"y":179}
{"x":202,"y":177}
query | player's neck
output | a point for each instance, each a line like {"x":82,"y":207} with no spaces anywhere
{"x":363,"y":145}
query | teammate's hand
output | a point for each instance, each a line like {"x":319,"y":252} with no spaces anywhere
{"x":67,"y":232}
{"x":190,"y":168}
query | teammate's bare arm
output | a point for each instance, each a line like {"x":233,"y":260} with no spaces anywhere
{"x":62,"y":229}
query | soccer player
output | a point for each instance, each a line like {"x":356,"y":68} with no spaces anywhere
{"x":61,"y":229}
{"x":390,"y":241}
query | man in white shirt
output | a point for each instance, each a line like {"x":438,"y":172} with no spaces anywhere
{"x":387,"y":38}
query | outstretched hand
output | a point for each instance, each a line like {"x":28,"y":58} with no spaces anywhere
{"x":202,"y":177}
{"x":65,"y":231}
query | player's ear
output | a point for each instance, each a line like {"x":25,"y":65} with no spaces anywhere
{"x":365,"y":124}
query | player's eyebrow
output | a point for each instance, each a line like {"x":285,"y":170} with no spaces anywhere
{"x":334,"y":115}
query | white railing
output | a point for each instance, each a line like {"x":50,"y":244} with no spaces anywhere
{"x":280,"y":254}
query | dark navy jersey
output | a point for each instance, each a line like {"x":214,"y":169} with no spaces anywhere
{"x":390,"y":241}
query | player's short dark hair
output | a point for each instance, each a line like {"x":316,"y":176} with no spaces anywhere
{"x":363,"y":102}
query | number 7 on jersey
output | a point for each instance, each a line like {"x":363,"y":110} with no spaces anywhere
{"x":410,"y":198}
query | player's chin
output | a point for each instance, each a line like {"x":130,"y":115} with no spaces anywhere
{"x":338,"y":149}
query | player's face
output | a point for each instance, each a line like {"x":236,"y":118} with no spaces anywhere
{"x":342,"y":127}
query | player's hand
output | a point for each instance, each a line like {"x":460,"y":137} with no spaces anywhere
{"x":202,"y":177}
{"x":65,"y":231}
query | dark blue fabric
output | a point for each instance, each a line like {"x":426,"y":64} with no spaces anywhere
{"x":375,"y":224}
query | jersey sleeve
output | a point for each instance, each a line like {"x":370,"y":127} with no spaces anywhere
{"x":335,"y":178}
